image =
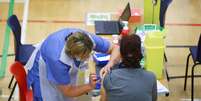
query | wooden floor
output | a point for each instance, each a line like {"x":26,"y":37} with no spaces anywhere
{"x":183,"y":26}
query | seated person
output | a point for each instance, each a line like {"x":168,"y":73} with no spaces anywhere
{"x":128,"y":81}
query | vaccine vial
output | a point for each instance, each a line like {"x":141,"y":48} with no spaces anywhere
{"x":96,"y":90}
{"x":115,"y":39}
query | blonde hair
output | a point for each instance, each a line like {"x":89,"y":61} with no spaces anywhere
{"x":78,"y":45}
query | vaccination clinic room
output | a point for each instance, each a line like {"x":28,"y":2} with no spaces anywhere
{"x":100,"y":50}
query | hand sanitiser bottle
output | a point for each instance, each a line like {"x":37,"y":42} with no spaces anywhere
{"x":125,"y":30}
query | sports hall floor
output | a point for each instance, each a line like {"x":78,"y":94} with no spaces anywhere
{"x":183,"y":26}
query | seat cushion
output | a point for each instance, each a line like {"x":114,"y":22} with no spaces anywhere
{"x":25,"y":52}
{"x":193,"y":51}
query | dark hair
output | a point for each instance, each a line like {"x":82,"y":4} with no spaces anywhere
{"x":130,"y":50}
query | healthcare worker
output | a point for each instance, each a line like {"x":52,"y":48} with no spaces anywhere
{"x":54,"y":64}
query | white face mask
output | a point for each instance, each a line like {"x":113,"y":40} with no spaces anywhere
{"x":81,"y":60}
{"x":83,"y":64}
{"x":78,"y":59}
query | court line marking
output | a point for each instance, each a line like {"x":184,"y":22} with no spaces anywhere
{"x":81,"y":22}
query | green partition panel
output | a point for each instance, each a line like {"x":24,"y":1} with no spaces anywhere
{"x":151,"y":12}
{"x":6,"y":43}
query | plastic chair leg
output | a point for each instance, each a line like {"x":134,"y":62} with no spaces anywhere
{"x":11,"y":94}
{"x":192,"y":82}
{"x":165,"y":57}
{"x":186,"y":73}
{"x":11,"y":81}
{"x":167,"y":75}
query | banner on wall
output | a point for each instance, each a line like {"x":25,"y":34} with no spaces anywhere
{"x":91,"y":17}
{"x":17,"y":1}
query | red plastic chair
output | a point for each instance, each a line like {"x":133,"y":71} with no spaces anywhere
{"x":17,"y":69}
{"x":22,"y":51}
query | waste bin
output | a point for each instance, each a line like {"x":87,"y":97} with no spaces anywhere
{"x":154,"y":53}
{"x":153,"y":45}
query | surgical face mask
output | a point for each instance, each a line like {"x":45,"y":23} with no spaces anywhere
{"x":82,"y":63}
{"x":78,"y":59}
{"x":81,"y":60}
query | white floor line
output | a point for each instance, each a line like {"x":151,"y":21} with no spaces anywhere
{"x":4,"y":96}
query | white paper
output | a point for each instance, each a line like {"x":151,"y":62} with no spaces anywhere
{"x":161,"y":89}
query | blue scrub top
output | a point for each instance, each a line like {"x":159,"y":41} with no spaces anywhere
{"x":56,"y":65}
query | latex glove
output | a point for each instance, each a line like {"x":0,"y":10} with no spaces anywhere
{"x":93,"y":80}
